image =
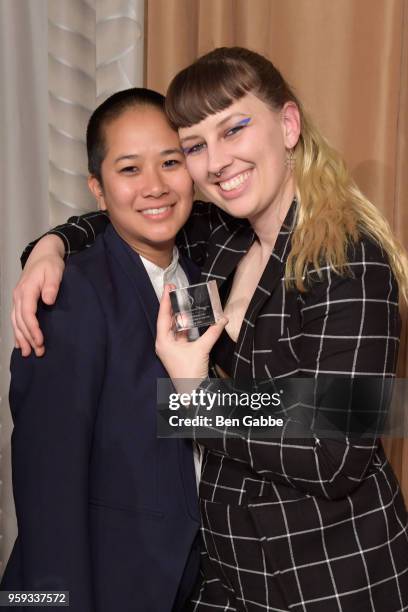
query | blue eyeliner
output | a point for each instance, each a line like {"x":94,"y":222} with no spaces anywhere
{"x":243,"y":122}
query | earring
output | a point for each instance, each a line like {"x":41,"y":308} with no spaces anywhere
{"x":290,"y":161}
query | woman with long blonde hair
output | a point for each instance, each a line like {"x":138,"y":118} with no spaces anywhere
{"x":310,"y":277}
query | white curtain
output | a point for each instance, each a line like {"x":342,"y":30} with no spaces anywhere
{"x":58,"y":59}
{"x":23,"y":186}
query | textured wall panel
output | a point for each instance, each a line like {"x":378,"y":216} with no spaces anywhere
{"x":72,"y":96}
{"x":95,"y":49}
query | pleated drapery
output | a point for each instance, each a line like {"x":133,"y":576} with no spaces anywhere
{"x":23,"y":190}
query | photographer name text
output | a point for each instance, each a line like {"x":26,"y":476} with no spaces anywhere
{"x":221,"y":421}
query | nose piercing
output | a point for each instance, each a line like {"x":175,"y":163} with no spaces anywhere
{"x":218,"y":173}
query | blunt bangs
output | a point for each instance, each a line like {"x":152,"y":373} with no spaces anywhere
{"x":207,"y":87}
{"x":219,"y":78}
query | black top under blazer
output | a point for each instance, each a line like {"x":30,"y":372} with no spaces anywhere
{"x":310,"y":525}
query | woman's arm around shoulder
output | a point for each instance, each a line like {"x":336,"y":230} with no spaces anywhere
{"x":43,"y":263}
{"x":204,"y":225}
{"x":76,"y":234}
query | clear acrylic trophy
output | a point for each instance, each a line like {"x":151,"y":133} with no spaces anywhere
{"x":196,"y":306}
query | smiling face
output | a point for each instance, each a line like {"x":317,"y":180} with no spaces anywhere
{"x":237,"y":156}
{"x":147,"y":190}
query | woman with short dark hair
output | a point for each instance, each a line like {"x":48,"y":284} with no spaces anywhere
{"x":105,"y":510}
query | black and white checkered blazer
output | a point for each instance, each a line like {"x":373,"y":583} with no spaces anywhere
{"x":313,"y":524}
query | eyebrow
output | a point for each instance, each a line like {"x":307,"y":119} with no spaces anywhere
{"x":231,"y":116}
{"x":220,"y":123}
{"x":162,"y":153}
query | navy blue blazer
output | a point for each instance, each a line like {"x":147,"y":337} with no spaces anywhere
{"x":105,"y":509}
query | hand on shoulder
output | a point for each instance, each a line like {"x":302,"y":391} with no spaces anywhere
{"x":40,"y":278}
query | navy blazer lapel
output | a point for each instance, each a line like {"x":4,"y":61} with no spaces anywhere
{"x":192,"y":271}
{"x":133,"y":267}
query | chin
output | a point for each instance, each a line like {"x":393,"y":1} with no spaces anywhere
{"x":239,"y":211}
{"x":161,"y":239}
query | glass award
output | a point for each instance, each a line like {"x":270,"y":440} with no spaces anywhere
{"x":196,"y":306}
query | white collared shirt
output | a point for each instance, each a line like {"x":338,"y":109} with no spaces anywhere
{"x":159,"y":277}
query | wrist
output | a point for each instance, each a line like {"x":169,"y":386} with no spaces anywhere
{"x":54,"y":245}
{"x":49,"y":245}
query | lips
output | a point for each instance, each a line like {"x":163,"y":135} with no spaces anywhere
{"x":155,"y":211}
{"x":158,"y":212}
{"x":234,"y":185}
{"x":235,"y":181}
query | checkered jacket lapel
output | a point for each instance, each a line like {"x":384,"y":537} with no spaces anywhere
{"x":224,"y":254}
{"x":231,"y":244}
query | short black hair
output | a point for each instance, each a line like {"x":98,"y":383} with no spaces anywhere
{"x":111,"y":109}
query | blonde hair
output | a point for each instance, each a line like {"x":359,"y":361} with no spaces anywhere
{"x":332,"y":212}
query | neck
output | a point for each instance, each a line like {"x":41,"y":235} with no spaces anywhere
{"x":267,"y":224}
{"x":161,"y":255}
